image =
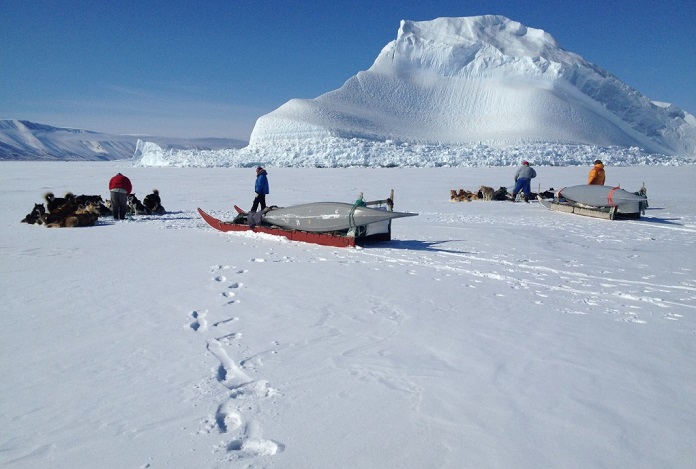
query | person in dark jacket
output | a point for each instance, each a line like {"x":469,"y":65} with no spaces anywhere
{"x":261,"y":189}
{"x":597,"y":175}
{"x":119,"y":188}
{"x":523,"y":178}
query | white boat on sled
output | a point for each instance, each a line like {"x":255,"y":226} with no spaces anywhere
{"x":599,"y":202}
{"x":322,"y":217}
{"x":327,"y":223}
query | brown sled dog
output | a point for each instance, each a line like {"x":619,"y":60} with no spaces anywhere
{"x":486,"y":193}
{"x":83,"y":216}
{"x":462,"y":196}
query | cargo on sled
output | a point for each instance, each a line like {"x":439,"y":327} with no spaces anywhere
{"x":611,"y":203}
{"x":334,"y":224}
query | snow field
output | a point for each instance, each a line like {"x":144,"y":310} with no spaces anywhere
{"x":485,"y":334}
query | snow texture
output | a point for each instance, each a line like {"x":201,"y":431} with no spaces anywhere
{"x":484,"y":335}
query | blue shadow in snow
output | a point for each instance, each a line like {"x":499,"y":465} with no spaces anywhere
{"x":416,"y":245}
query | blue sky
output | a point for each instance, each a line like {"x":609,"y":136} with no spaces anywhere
{"x":211,"y":68}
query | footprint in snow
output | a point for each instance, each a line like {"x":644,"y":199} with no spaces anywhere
{"x":252,"y":444}
{"x":254,"y":390}
{"x":253,"y":447}
{"x":633,"y":319}
{"x":227,"y":418}
{"x":229,"y":374}
{"x":227,"y":339}
{"x":199,"y":322}
{"x":225,"y":321}
{"x":673,"y":316}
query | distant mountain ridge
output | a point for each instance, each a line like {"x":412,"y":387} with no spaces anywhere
{"x":483,"y":80}
{"x":25,"y":140}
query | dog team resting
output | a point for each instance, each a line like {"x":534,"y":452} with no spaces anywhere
{"x":335,"y":224}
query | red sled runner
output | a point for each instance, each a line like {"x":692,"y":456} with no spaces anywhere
{"x":344,"y":225}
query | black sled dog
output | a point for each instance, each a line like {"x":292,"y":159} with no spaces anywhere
{"x":54,"y":203}
{"x":153,"y":203}
{"x":135,"y":206}
{"x":36,"y":215}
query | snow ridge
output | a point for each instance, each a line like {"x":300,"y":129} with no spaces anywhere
{"x":21,"y":140}
{"x":24,"y":140}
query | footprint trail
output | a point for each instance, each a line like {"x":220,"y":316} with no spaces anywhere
{"x":234,"y":416}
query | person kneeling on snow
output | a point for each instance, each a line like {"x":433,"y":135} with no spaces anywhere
{"x":523,"y":178}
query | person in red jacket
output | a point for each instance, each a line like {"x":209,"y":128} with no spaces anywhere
{"x":119,"y":187}
{"x":596,"y":176}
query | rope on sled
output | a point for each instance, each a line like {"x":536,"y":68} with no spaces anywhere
{"x":352,"y":226}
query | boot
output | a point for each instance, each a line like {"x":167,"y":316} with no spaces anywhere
{"x":514,"y":196}
{"x":526,"y":198}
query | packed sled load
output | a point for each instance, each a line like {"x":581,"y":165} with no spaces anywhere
{"x":335,"y":224}
{"x":611,"y":203}
{"x":483,"y":79}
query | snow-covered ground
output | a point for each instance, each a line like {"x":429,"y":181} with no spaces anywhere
{"x":485,"y":335}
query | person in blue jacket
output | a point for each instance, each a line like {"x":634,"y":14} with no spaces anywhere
{"x":523,"y":178}
{"x":261,"y":189}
